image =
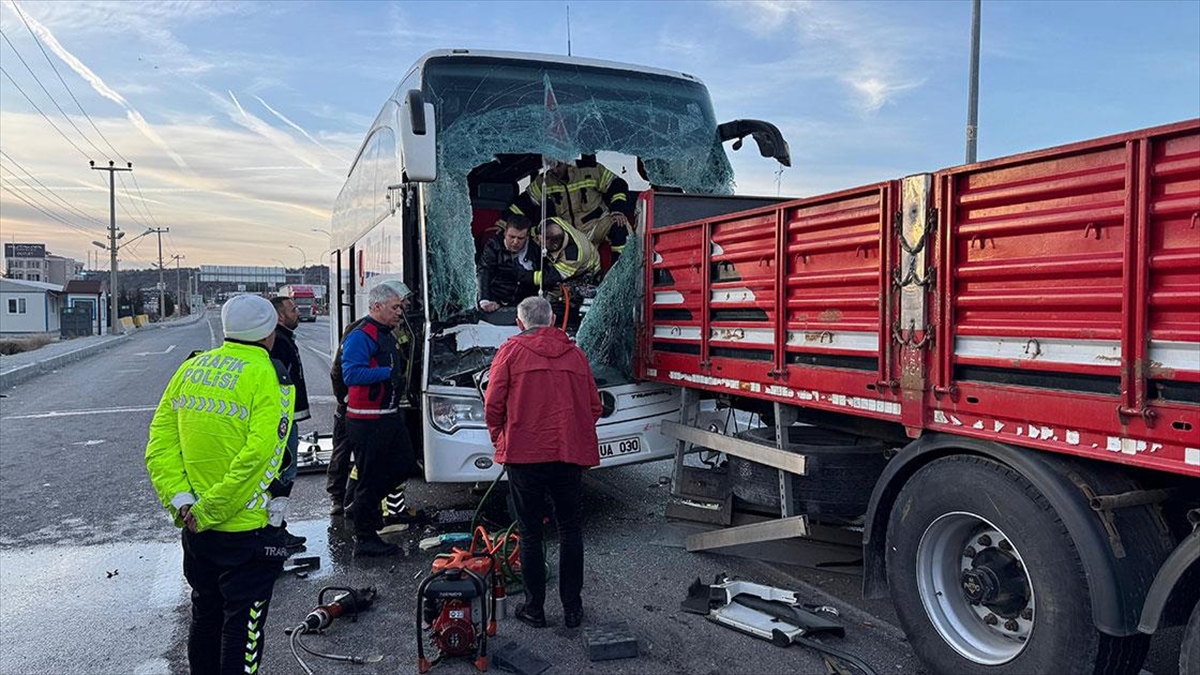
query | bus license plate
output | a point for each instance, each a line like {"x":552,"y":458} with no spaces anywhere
{"x":621,"y":446}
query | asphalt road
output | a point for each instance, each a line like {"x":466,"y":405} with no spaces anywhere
{"x":90,"y":565}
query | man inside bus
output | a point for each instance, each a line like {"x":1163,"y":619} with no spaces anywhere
{"x":374,"y":371}
{"x":587,"y":195}
{"x":570,"y":256}
{"x":507,"y":264}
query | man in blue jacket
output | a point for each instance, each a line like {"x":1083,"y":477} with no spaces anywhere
{"x":373,"y":369}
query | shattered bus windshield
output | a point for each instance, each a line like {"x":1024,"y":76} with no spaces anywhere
{"x":490,"y":108}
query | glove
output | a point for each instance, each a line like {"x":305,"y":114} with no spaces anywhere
{"x":277,"y":511}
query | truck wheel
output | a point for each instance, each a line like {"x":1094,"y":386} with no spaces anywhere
{"x":1189,"y":651}
{"x":985,"y":578}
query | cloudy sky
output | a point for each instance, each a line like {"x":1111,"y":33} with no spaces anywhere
{"x":241,"y":118}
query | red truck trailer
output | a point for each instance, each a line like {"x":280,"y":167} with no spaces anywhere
{"x":305,"y":297}
{"x":991,"y":371}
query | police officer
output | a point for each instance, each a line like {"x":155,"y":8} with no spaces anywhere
{"x":216,"y":447}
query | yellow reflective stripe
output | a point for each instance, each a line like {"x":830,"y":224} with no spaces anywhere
{"x":619,"y":197}
{"x":537,"y":278}
{"x":606,"y":178}
{"x":515,"y":209}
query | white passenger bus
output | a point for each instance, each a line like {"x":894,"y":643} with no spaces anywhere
{"x":461,"y":136}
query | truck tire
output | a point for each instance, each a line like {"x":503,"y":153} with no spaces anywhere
{"x":1189,"y":651}
{"x":985,"y":578}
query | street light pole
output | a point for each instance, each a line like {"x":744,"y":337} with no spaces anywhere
{"x":303,"y":255}
{"x":973,"y":93}
{"x":178,"y":284}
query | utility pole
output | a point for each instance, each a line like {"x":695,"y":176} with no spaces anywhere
{"x":114,"y":306}
{"x":162,"y":285}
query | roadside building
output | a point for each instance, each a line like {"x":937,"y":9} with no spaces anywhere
{"x":29,"y":307}
{"x":91,"y":294}
{"x":31,"y":262}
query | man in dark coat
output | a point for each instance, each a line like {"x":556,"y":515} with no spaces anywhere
{"x":507,"y":265}
{"x":287,"y":353}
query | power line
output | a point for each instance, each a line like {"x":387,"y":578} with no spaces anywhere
{"x":17,"y":193}
{"x":46,"y":188}
{"x":124,"y":208}
{"x":38,"y":42}
{"x":145,"y":204}
{"x":48,"y":94}
{"x":35,"y":107}
{"x":125,"y":189}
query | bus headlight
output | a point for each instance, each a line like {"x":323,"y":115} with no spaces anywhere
{"x":448,"y":415}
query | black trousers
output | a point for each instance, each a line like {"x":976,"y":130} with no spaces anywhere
{"x":384,"y":459}
{"x":338,"y":471}
{"x":232,"y":575}
{"x":529,"y":485}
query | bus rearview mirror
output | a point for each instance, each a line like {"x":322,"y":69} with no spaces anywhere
{"x":768,"y":137}
{"x":418,"y":139}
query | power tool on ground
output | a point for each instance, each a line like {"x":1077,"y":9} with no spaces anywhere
{"x":456,"y":607}
{"x":347,"y":601}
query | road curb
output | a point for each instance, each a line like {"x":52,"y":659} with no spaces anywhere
{"x":22,"y":373}
{"x":191,"y":320}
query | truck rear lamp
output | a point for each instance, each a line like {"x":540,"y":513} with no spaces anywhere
{"x":448,"y":415}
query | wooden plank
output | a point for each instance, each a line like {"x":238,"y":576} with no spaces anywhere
{"x":771,"y":530}
{"x":763,"y":454}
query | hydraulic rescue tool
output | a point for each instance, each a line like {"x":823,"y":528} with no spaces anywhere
{"x":347,"y":600}
{"x":768,"y":613}
{"x":456,"y":604}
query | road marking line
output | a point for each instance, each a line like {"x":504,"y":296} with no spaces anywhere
{"x":73,"y":413}
{"x":212,"y":335}
{"x":319,"y":353}
{"x":168,"y":350}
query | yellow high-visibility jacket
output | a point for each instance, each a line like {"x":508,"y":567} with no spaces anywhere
{"x":585,"y":199}
{"x":577,"y":258}
{"x":218,"y":437}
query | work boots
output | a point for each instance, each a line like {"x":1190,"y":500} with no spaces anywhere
{"x":367,"y":546}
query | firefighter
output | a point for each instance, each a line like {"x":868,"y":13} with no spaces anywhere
{"x":569,"y":253}
{"x":215,"y":452}
{"x":586,"y":195}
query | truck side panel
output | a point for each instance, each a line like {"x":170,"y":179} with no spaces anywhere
{"x":1063,"y":303}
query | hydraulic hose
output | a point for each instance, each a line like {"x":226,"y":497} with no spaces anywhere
{"x":835,"y":653}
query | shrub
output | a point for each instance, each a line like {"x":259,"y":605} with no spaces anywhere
{"x":9,"y":346}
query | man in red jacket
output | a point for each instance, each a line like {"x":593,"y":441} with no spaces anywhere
{"x":541,"y":406}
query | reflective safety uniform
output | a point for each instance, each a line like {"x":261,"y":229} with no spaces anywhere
{"x":577,"y":259}
{"x":586,"y":199}
{"x":219,"y":434}
{"x":217,"y":444}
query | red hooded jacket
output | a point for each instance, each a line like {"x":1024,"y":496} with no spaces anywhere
{"x":541,"y":402}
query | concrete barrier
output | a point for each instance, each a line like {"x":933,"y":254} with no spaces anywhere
{"x":141,"y":320}
{"x":127,"y":323}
